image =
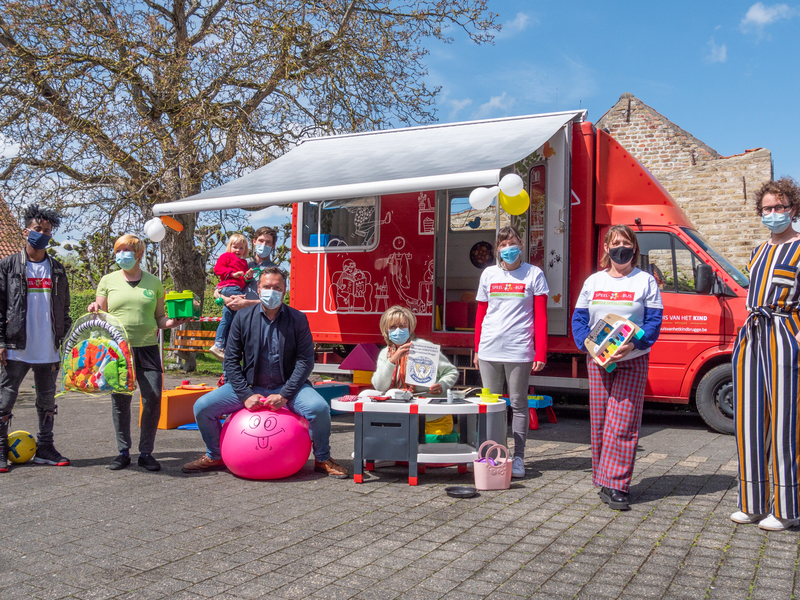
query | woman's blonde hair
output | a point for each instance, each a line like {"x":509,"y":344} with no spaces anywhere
{"x":626,"y":233}
{"x":394,"y":314}
{"x":237,"y":237}
{"x":132,"y":242}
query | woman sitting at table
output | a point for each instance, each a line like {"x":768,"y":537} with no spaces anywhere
{"x":397,"y":326}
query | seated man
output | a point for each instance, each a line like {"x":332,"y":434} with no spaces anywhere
{"x":269,"y":355}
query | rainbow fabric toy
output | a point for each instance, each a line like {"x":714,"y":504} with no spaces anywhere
{"x":97,"y":358}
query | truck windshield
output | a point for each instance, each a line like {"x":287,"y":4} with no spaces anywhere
{"x":735,"y":273}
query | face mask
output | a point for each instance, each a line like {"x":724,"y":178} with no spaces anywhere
{"x":271,"y":298}
{"x":38,"y":241}
{"x":263,"y":250}
{"x":399,"y":335}
{"x":777,"y":223}
{"x":621,"y":255}
{"x":126,"y":260}
{"x":509,"y":254}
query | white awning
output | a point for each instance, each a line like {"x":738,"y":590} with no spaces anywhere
{"x":384,"y":162}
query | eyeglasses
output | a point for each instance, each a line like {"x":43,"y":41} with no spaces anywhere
{"x":780,"y":209}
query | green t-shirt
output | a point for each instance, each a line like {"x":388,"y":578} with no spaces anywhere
{"x":135,"y":307}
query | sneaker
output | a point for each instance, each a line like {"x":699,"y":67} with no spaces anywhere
{"x":48,"y":455}
{"x":120,"y":462}
{"x":614,"y":498}
{"x":331,"y":468}
{"x":217,"y":351}
{"x":518,"y":467}
{"x":773,"y":523}
{"x":745,"y":518}
{"x":204,"y":465}
{"x":148,"y":462}
{"x":3,"y":463}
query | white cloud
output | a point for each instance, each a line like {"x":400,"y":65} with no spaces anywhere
{"x":8,"y":149}
{"x":519,"y":23}
{"x":457,"y":106}
{"x":715,"y":53}
{"x":496,"y":104}
{"x":271,"y":216}
{"x":759,"y":16}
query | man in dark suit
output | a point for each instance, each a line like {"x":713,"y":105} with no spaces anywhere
{"x":268,"y":358}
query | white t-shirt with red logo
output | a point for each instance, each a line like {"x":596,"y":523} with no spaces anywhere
{"x":507,"y":330}
{"x":40,"y":346}
{"x":624,"y":296}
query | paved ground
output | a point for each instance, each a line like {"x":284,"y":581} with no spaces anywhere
{"x":86,"y":532}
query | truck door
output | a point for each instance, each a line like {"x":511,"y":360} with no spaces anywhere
{"x":692,"y":322}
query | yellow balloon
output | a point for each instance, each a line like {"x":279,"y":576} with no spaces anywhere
{"x":515,"y":205}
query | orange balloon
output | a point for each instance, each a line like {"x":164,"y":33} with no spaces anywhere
{"x":171,"y":223}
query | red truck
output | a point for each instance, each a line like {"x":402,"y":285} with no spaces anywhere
{"x":384,"y":218}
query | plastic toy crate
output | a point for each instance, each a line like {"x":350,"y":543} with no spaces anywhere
{"x":180,"y":305}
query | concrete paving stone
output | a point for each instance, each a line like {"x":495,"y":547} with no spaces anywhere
{"x":209,"y":589}
{"x":594,"y":589}
{"x":378,"y":594}
{"x":559,"y":588}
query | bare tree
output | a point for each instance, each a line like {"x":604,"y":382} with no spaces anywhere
{"x":117,"y":105}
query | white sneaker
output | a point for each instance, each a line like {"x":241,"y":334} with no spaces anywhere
{"x":517,"y":467}
{"x":772,"y":523}
{"x":217,"y":351}
{"x":744,"y":518}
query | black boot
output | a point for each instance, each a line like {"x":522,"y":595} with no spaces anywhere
{"x":4,"y":421}
{"x":46,"y":453}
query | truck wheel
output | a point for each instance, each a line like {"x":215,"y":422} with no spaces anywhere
{"x":715,"y":398}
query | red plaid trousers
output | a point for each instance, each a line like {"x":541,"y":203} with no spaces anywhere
{"x":615,"y":408}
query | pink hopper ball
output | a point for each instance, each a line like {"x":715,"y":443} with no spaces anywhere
{"x":266,"y":444}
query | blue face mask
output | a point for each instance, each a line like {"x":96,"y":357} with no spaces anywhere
{"x":126,"y":260}
{"x":263,"y":251}
{"x":399,"y":335}
{"x":271,"y":299}
{"x":777,"y":222}
{"x":509,"y":254}
{"x":37,"y":240}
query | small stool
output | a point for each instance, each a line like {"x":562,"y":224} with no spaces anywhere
{"x":535,"y":402}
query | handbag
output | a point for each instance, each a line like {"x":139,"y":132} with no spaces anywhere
{"x":492,"y":472}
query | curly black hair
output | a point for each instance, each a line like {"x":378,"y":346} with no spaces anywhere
{"x":34,"y":213}
{"x":784,"y":189}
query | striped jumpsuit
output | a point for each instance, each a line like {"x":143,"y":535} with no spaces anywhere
{"x":766,"y":382}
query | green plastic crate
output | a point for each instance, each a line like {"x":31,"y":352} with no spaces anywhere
{"x":180,"y":305}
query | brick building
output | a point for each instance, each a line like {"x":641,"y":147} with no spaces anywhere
{"x":11,"y":239}
{"x":716,"y":192}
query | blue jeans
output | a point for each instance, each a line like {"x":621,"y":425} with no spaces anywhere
{"x":223,"y":401}
{"x":227,"y":316}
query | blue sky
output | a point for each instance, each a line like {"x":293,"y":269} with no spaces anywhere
{"x":726,"y":72}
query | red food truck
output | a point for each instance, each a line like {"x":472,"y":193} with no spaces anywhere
{"x":384,"y":218}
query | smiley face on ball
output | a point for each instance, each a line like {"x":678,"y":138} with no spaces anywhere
{"x":262,"y":428}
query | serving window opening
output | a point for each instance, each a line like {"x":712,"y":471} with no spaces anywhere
{"x":349,"y":225}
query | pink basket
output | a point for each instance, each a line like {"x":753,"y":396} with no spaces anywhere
{"x":492,"y":473}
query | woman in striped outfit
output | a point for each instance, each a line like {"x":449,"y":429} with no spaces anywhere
{"x":766,"y":371}
{"x":616,"y":399}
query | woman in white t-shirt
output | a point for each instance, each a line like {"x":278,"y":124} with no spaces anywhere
{"x":511,"y":332}
{"x":616,"y":398}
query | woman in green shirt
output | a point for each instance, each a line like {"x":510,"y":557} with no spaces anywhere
{"x":136,"y":299}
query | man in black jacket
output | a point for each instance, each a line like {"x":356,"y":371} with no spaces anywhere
{"x":34,"y":318}
{"x":268,"y":358}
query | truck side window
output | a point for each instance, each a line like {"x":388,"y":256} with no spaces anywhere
{"x":668,"y":260}
{"x":340,"y":225}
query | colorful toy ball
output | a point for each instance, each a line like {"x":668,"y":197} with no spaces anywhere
{"x":21,"y":447}
{"x":265,"y":444}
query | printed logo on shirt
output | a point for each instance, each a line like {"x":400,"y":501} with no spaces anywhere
{"x":614,"y":298}
{"x":149,"y":294}
{"x":38,"y":285}
{"x":507,"y":290}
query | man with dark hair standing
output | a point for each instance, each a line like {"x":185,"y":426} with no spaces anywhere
{"x":34,"y":318}
{"x":264,"y":241}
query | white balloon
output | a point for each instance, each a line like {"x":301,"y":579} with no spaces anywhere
{"x":480,"y":198}
{"x":154,"y":229}
{"x":511,"y":184}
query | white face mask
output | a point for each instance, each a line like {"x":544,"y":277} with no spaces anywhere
{"x":271,"y":298}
